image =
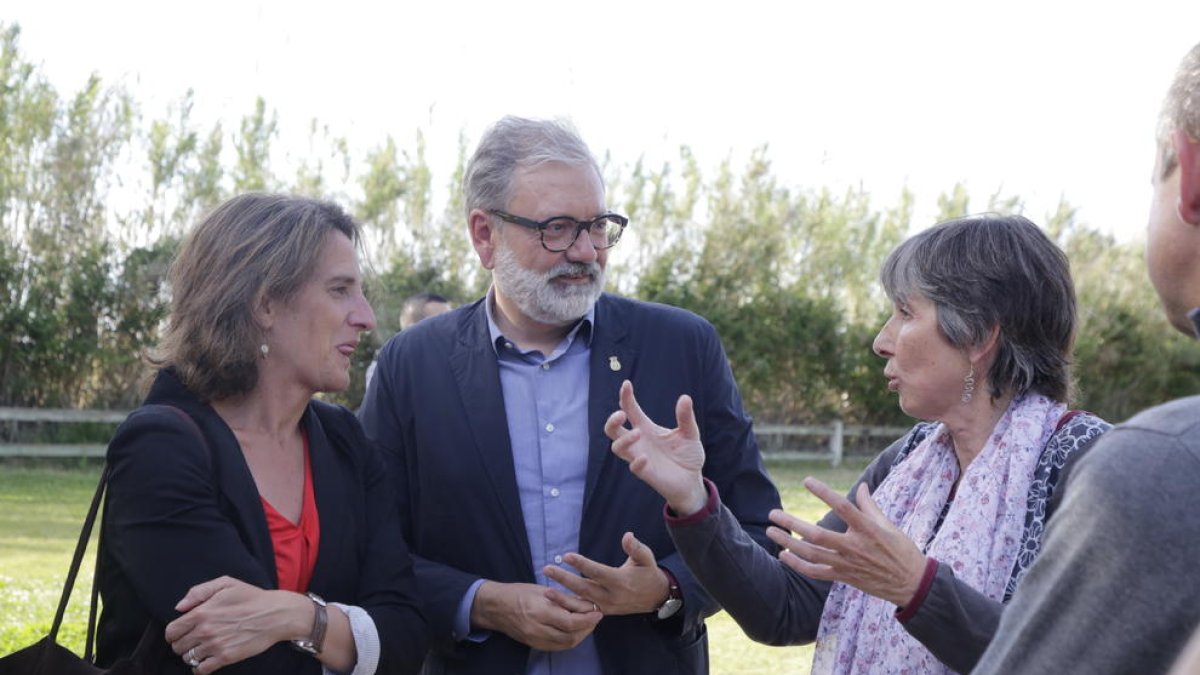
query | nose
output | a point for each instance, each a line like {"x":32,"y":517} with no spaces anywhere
{"x":363,"y":317}
{"x":882,"y":346}
{"x":582,"y":249}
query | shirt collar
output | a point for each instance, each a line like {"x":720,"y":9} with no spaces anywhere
{"x":582,"y":329}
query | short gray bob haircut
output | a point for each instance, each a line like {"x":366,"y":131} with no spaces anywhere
{"x":515,"y":143}
{"x":991,"y":270}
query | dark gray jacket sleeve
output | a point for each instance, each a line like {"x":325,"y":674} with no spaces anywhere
{"x":770,"y":602}
{"x":955,"y":622}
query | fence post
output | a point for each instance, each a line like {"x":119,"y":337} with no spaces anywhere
{"x":835,"y":442}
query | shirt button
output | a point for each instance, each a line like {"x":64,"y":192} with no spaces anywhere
{"x":558,"y":559}
{"x":508,"y":344}
{"x":553,"y":492}
{"x":550,"y":427}
{"x":545,"y":366}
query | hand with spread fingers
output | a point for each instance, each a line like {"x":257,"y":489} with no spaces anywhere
{"x":873,"y":555}
{"x":638,"y":586}
{"x":668,"y":460}
{"x":534,"y":615}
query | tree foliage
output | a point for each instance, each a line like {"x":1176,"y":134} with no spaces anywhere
{"x":94,"y":199}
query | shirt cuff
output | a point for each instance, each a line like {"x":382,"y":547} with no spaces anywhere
{"x":366,"y":640}
{"x":903,"y":614}
{"x":462,"y":618}
{"x":710,"y":507}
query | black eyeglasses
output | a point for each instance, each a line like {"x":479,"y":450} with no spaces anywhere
{"x":559,"y":232}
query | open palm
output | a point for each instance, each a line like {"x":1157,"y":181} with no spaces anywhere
{"x":669,"y":460}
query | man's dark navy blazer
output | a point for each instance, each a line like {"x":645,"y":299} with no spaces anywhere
{"x":435,"y":404}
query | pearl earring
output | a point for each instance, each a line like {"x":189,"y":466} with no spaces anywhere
{"x":264,"y":349}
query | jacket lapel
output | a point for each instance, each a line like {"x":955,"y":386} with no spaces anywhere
{"x":477,"y":375}
{"x":238,"y":491}
{"x":333,"y":502}
{"x":613,"y":361}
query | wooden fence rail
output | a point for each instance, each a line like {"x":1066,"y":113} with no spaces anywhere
{"x":777,"y":441}
{"x":15,"y":416}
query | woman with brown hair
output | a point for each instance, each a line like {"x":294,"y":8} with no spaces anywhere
{"x":255,"y":524}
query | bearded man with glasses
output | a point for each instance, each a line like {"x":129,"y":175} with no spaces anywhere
{"x":536,"y":550}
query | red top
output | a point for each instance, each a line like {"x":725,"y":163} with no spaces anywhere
{"x":296,"y":543}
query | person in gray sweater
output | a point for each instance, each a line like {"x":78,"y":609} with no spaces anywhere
{"x":911,"y":570}
{"x":1116,"y":589}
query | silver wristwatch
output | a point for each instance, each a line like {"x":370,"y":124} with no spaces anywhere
{"x":316,"y":639}
{"x":673,"y":603}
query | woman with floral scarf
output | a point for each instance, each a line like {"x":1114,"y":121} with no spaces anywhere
{"x":908,"y":573}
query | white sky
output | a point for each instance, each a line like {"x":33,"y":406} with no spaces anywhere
{"x":1035,"y":98}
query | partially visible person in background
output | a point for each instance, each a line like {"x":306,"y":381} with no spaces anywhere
{"x":416,"y":308}
{"x":254,"y":528}
{"x":909,"y":573}
{"x":422,"y":306}
{"x":1116,"y":589}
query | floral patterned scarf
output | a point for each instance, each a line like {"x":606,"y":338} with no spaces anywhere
{"x":980,"y":537}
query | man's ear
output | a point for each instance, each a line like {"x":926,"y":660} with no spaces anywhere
{"x":1187,"y":149}
{"x":483,"y":236}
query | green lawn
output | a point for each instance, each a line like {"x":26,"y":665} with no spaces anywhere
{"x":42,"y":509}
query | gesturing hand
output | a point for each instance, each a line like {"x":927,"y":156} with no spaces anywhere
{"x":636,"y":587}
{"x":668,"y":460}
{"x":873,"y":555}
{"x":534,"y":615}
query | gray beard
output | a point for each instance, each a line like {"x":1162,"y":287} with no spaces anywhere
{"x":538,"y":297}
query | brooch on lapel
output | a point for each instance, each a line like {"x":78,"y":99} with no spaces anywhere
{"x":614,"y":364}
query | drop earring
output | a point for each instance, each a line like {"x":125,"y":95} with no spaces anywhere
{"x":968,"y":385}
{"x":264,"y":349}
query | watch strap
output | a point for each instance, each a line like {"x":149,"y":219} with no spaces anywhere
{"x":316,"y":638}
{"x":674,"y":601}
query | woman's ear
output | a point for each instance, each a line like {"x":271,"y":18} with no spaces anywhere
{"x":264,"y":311}
{"x":986,"y":349}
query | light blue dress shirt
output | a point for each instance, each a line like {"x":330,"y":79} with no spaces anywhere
{"x":546,"y":404}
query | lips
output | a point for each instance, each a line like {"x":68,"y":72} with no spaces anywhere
{"x":893,"y":382}
{"x":574,"y":272}
{"x":347,"y":348}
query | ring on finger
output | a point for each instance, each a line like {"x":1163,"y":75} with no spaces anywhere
{"x":189,"y":657}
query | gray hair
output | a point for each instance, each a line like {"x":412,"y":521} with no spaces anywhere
{"x":515,"y":143}
{"x":995,"y":271}
{"x":1181,"y":110}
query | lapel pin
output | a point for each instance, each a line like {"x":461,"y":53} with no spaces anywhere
{"x":614,"y":364}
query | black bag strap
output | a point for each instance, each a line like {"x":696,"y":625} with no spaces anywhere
{"x":81,"y":547}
